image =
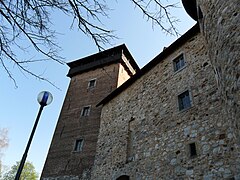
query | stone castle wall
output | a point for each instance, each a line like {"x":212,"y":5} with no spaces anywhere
{"x":145,"y":136}
{"x":221,"y":31}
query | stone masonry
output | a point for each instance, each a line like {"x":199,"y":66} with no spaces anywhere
{"x":221,"y":31}
{"x":144,"y":135}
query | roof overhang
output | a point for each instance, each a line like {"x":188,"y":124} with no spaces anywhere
{"x":103,"y":58}
{"x":191,"y":8}
{"x":166,"y":52}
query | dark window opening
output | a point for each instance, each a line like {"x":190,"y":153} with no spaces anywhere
{"x":92,"y":83}
{"x":178,"y":152}
{"x":124,"y":177}
{"x":222,"y":136}
{"x":189,"y":168}
{"x":179,"y":62}
{"x":86,"y":111}
{"x":78,"y":145}
{"x":193,"y":149}
{"x":184,"y":100}
{"x":200,"y":14}
{"x":205,"y":64}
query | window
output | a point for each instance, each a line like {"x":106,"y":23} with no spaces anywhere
{"x":178,"y":63}
{"x":199,"y":12}
{"x":86,"y":111}
{"x":184,"y":101}
{"x":192,"y":149}
{"x":78,"y":145}
{"x":124,"y":177}
{"x":130,"y":140}
{"x":92,"y":83}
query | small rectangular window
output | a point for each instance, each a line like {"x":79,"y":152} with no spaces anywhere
{"x":184,"y":101}
{"x":92,"y":83}
{"x":130,"y":140}
{"x":78,"y":145}
{"x":192,"y":149}
{"x":179,"y":62}
{"x":86,"y":111}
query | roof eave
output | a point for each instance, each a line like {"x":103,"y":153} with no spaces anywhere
{"x":167,"y":51}
{"x":101,"y":55}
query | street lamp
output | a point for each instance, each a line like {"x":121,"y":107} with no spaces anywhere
{"x":44,"y":98}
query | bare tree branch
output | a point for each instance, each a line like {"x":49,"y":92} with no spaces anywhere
{"x":29,"y":20}
{"x":155,"y":11}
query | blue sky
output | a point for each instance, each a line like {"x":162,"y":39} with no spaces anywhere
{"x":19,"y":106}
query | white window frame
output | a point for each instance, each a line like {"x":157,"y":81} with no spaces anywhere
{"x":86,"y":108}
{"x":190,"y":100}
{"x":89,"y":83}
{"x":79,"y":141}
{"x":177,"y":58}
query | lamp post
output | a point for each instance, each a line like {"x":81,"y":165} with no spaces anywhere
{"x":44,"y":98}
